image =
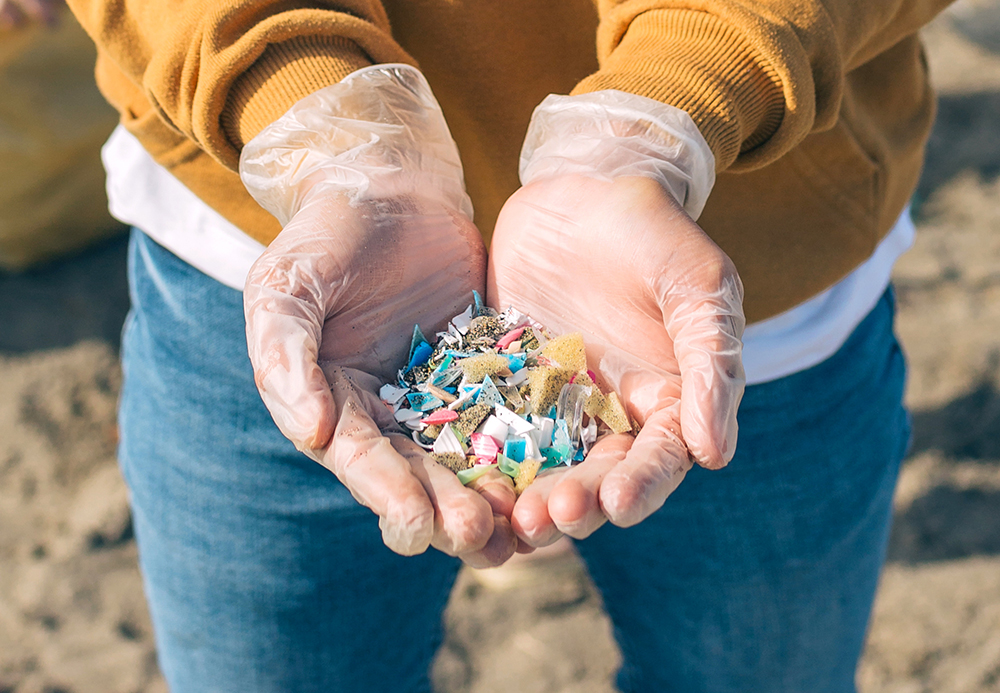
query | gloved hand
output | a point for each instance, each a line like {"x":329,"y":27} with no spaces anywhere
{"x":377,"y":236}
{"x":598,"y":240}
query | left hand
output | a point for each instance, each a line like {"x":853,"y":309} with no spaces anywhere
{"x":660,"y":306}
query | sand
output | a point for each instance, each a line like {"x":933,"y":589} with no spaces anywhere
{"x":72,"y":617}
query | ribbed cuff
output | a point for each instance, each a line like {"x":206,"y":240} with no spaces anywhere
{"x":285,"y":73}
{"x":696,"y":62}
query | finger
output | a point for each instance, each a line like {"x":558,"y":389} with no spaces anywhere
{"x":706,"y":329}
{"x":500,"y":547}
{"x":284,"y":322}
{"x":377,"y":475}
{"x":574,"y":502}
{"x":652,"y":469}
{"x":463,"y":520}
{"x":498,"y":490}
{"x":531,"y":520}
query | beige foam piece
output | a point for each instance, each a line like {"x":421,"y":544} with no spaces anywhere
{"x":568,"y":351}
{"x":526,"y":474}
{"x":452,"y":460}
{"x":475,"y":368}
{"x":614,"y":414}
{"x":545,"y":383}
{"x":597,"y":401}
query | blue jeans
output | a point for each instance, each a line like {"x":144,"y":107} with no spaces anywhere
{"x":263,"y":574}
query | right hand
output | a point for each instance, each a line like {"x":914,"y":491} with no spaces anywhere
{"x":330,"y":308}
{"x":377,"y":237}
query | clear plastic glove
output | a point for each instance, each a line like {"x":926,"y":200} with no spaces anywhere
{"x":597,"y":241}
{"x":377,"y":237}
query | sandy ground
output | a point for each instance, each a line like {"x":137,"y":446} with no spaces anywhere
{"x":72,"y":617}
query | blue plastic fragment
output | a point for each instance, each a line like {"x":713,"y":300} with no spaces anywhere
{"x":489,"y":394}
{"x":423,"y":401}
{"x":513,"y":448}
{"x":515,"y":361}
{"x":419,"y":356}
{"x":416,"y":340}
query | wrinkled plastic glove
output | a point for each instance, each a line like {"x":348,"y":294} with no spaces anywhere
{"x":377,"y":236}
{"x":601,"y":238}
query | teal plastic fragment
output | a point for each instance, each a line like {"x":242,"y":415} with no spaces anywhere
{"x":515,"y":361}
{"x":423,"y":401}
{"x":514,"y":449}
{"x":416,"y":340}
{"x":421,"y":353}
{"x":553,"y":457}
{"x":489,"y":394}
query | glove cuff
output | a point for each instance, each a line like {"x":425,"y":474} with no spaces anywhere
{"x":377,"y":133}
{"x":611,"y":134}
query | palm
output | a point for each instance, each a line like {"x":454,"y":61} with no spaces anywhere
{"x":621,"y":262}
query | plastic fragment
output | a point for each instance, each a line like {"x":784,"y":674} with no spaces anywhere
{"x":485,"y":447}
{"x":513,"y":448}
{"x":569,"y":408}
{"x":489,"y":394}
{"x":391,"y":394}
{"x":441,"y":394}
{"x":441,"y":416}
{"x":495,"y":429}
{"x":448,"y":441}
{"x":509,"y":338}
{"x":508,"y":466}
{"x":423,"y":401}
{"x":404,"y":415}
{"x":467,"y":476}
{"x":520,"y":425}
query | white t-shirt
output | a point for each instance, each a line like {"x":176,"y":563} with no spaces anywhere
{"x":144,"y":194}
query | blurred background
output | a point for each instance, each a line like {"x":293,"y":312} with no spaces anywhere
{"x":72,"y":616}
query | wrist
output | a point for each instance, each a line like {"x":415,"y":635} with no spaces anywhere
{"x":378,"y":133}
{"x":612,"y":134}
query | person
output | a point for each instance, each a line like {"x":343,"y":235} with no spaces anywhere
{"x":295,"y":153}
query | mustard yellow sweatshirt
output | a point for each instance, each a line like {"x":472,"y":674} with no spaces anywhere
{"x":817,"y":111}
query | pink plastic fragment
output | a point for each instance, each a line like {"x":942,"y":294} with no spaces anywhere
{"x":508,"y":338}
{"x":441,"y":416}
{"x":485,"y":447}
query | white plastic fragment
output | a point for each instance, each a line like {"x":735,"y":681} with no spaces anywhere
{"x":519,"y":378}
{"x":519,"y":425}
{"x":403,"y":415}
{"x":544,"y":426}
{"x":495,"y":428}
{"x":462,"y":322}
{"x":588,"y":436}
{"x":392,"y":394}
{"x":447,"y":441}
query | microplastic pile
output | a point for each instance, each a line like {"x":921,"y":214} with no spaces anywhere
{"x":496,"y":391}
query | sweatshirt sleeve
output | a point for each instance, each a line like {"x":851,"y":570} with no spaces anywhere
{"x":756,"y":76}
{"x":218,"y":71}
